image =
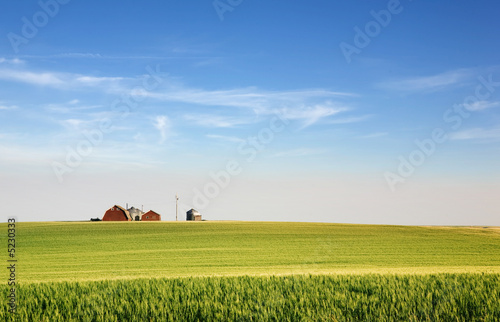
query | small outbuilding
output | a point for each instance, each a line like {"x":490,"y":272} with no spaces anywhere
{"x":151,"y":216}
{"x":116,"y":213}
{"x":193,"y":215}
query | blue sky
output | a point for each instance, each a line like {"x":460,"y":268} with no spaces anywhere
{"x":353,"y":111}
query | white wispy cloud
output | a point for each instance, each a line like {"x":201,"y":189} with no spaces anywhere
{"x":476,"y":133}
{"x":15,"y":61}
{"x":430,"y":83}
{"x":33,"y":78}
{"x":307,"y":106}
{"x":62,"y":81}
{"x":8,"y":107}
{"x":96,"y":81}
{"x":348,"y":120}
{"x":481,"y":105}
{"x":73,"y":124}
{"x":76,"y":123}
{"x":70,"y":107}
{"x":99,"y":56}
{"x":78,"y":55}
{"x":162,"y":124}
{"x":312,"y":114}
{"x":250,"y":98}
{"x":299,"y":105}
{"x":208,"y":120}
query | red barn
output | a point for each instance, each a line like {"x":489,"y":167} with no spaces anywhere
{"x":151,"y":216}
{"x":116,"y":213}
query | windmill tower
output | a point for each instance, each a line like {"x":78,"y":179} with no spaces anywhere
{"x":176,"y":206}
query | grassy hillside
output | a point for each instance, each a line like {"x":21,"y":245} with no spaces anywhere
{"x":103,"y":250}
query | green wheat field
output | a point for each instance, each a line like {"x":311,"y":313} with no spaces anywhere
{"x":252,"y":271}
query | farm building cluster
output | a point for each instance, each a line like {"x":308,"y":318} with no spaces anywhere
{"x":118,"y":213}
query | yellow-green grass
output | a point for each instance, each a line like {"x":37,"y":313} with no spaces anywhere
{"x":80,"y":251}
{"x":442,"y":297}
